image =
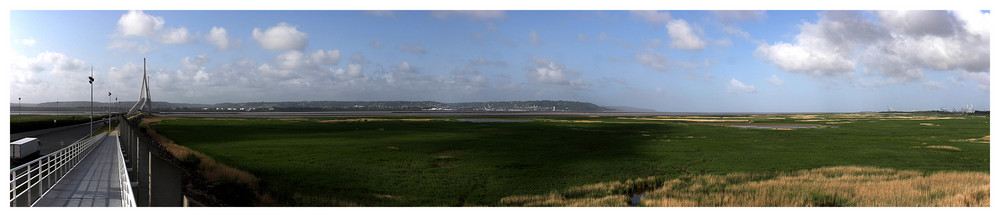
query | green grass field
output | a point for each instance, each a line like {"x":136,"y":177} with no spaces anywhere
{"x":308,"y":162}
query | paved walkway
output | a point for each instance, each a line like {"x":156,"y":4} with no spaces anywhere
{"x":92,"y":183}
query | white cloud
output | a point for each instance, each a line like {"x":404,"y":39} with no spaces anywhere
{"x":933,"y":85}
{"x":740,"y":16}
{"x":657,"y":61}
{"x":775,"y":80}
{"x":357,"y":58}
{"x":191,"y":64}
{"x":604,"y":36}
{"x":125,"y":74}
{"x":725,"y":42}
{"x":56,"y":63}
{"x":551,"y":73}
{"x":297,"y":60}
{"x":975,"y":22}
{"x":805,"y":59}
{"x":897,"y":45}
{"x":281,"y":37}
{"x":689,"y":65}
{"x":737,"y":87}
{"x":484,"y":61}
{"x":981,"y":78}
{"x":331,"y":57}
{"x":137,"y":23}
{"x":405,"y":67}
{"x":956,"y":81}
{"x":193,"y":69}
{"x":379,"y":13}
{"x":682,"y":36}
{"x":652,"y":17}
{"x":918,"y":22}
{"x":470,"y":15}
{"x":417,"y":49}
{"x":131,"y":46}
{"x":581,"y":37}
{"x":176,"y":36}
{"x":375,"y":43}
{"x":652,"y":43}
{"x":291,"y":60}
{"x":28,"y":42}
{"x":354,"y":71}
{"x":45,"y":75}
{"x":534,"y":38}
{"x":706,"y":77}
{"x":219,"y":37}
{"x":736,"y":31}
{"x":662,"y":92}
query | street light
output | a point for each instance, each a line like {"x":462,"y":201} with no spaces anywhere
{"x":91,"y":101}
{"x":109,"y":111}
{"x":19,"y":110}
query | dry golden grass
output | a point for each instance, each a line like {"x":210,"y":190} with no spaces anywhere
{"x":212,"y":170}
{"x":209,"y":168}
{"x":829,"y":186}
{"x":985,"y":139}
{"x":601,"y":194}
{"x":769,"y":126}
{"x":803,"y":116}
{"x":945,"y":147}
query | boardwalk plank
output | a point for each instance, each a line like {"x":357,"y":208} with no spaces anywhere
{"x":93,"y":182}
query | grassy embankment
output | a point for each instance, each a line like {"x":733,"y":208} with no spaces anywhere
{"x":420,"y":162}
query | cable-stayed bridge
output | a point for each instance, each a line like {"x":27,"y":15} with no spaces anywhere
{"x":118,"y":166}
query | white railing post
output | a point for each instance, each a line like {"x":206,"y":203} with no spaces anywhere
{"x":128,"y":198}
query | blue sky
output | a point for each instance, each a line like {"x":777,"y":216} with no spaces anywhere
{"x":675,"y":61}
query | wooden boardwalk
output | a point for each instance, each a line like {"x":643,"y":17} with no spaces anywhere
{"x":92,"y":183}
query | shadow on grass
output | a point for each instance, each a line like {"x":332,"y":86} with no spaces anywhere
{"x":398,"y":163}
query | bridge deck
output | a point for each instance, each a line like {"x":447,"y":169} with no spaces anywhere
{"x":92,"y":183}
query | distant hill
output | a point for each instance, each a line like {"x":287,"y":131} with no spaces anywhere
{"x":510,"y":106}
{"x":85,"y":105}
{"x":500,"y":106}
{"x":544,"y":105}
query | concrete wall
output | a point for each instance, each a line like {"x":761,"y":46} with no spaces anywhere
{"x":158,"y":181}
{"x":165,"y":184}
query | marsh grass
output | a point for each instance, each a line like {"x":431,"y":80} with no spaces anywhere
{"x":828,"y":186}
{"x":451,"y":163}
{"x":228,"y":181}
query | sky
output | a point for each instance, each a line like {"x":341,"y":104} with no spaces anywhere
{"x":670,"y":61}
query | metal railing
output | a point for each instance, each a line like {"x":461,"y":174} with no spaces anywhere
{"x":31,"y":180}
{"x":128,"y":198}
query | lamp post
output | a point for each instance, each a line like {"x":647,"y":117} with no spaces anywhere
{"x":109,"y":111}
{"x":19,"y":110}
{"x":56,"y":120}
{"x":91,"y":101}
